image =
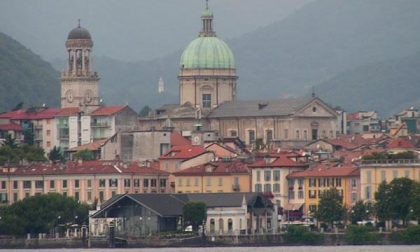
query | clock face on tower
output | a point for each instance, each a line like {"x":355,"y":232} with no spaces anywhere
{"x":88,"y":96}
{"x":69,"y":96}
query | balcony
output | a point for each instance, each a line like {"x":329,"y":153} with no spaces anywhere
{"x":100,"y":125}
{"x":390,"y":162}
{"x":236,"y":188}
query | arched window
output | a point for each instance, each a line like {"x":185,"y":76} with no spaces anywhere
{"x":297,"y":134}
{"x":230,"y":225}
{"x":221,"y":228}
{"x":212,"y":225}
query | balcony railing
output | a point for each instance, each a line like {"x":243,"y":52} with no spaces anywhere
{"x":391,"y":162}
{"x":100,"y":125}
{"x":236,"y":188}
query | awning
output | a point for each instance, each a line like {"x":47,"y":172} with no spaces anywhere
{"x":292,"y":207}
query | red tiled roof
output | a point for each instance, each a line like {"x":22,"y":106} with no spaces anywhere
{"x":72,"y":111}
{"x":11,"y":126}
{"x":25,"y":114}
{"x":215,"y":169}
{"x":86,"y":167}
{"x":352,"y":141}
{"x":90,"y":146}
{"x":177,"y":139}
{"x":108,"y":110}
{"x":400,"y":144}
{"x":327,"y":170}
{"x":279,"y":161}
{"x":12,"y":114}
{"x":183,"y":152}
{"x":353,"y":116}
{"x":46,"y":113}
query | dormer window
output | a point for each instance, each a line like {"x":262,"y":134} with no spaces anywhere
{"x":314,"y":109}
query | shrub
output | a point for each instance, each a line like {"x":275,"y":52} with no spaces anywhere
{"x":359,"y":235}
{"x":411,"y":235}
{"x":300,"y":235}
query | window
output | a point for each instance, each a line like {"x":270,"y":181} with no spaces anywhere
{"x":101,"y":196}
{"x":102,"y":183}
{"x":312,"y":182}
{"x":276,"y":187}
{"x":113,"y":182}
{"x":206,"y":100}
{"x":3,"y":197}
{"x":233,"y":133}
{"x":369,"y":177}
{"x":269,"y":135}
{"x":312,"y":194}
{"x":353,"y":197}
{"x":113,"y":193}
{"x":220,"y":181}
{"x":48,"y":144}
{"x":300,"y":183}
{"x":394,"y":174}
{"x":48,"y":132}
{"x":383,"y":175}
{"x":267,"y":187}
{"x":367,"y":191}
{"x":77,"y":196}
{"x":230,"y":225}
{"x":331,"y":134}
{"x":407,"y":174}
{"x":39,"y":184}
{"x":338,"y":182}
{"x":297,"y":134}
{"x":267,"y":175}
{"x":305,"y":135}
{"x":145,"y":183}
{"x":258,"y":175}
{"x":300,"y":194}
{"x":209,"y":181}
{"x":286,"y":133}
{"x":196,"y":182}
{"x":276,"y":175}
{"x":3,"y":185}
{"x":314,"y":134}
{"x":258,"y":188}
{"x":188,"y":182}
{"x":127,"y":182}
{"x":136,"y":183}
{"x":251,"y":136}
{"x":353,"y":183}
{"x":52,"y":184}
{"x":15,"y":185}
{"x":162,"y":183}
{"x":89,"y":196}
{"x":15,"y":197}
{"x":180,"y":182}
{"x":291,"y":194}
{"x":314,"y":109}
{"x":76,"y":183}
{"x":89,"y":183}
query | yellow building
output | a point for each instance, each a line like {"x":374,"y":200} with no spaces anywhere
{"x":214,"y":177}
{"x":324,"y":177}
{"x":373,"y":172}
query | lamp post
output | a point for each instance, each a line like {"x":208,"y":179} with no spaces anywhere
{"x":57,"y":232}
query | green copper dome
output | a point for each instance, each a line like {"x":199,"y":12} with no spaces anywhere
{"x":207,"y":52}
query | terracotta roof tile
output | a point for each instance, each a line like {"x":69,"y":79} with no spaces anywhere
{"x":108,"y":110}
{"x":183,"y":152}
{"x":11,"y":126}
{"x":177,"y":139}
{"x":72,"y":111}
{"x":215,"y":169}
{"x":400,"y":143}
{"x":281,"y":160}
{"x":86,"y":167}
{"x":327,"y":170}
{"x":90,"y":146}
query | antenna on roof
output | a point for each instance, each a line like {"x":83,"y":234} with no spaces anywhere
{"x":78,"y":21}
{"x":313,"y":92}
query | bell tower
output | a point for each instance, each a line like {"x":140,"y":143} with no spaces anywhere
{"x":79,"y":84}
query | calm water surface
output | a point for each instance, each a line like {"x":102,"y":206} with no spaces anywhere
{"x":246,"y":249}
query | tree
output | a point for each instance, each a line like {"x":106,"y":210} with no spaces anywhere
{"x":415,"y":201}
{"x":84,"y":155}
{"x":361,"y":211}
{"x":56,"y":154}
{"x":194,"y":214}
{"x":394,"y":200}
{"x":145,"y":111}
{"x":330,"y":208}
{"x":46,"y":211}
{"x":18,"y":106}
{"x":10,"y":142}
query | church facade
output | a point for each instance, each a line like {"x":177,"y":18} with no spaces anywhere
{"x":207,"y":98}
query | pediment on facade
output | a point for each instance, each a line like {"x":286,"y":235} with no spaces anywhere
{"x":316,"y":108}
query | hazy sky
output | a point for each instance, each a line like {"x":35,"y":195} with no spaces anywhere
{"x":132,"y":29}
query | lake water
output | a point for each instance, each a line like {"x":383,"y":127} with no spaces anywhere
{"x":246,"y":249}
